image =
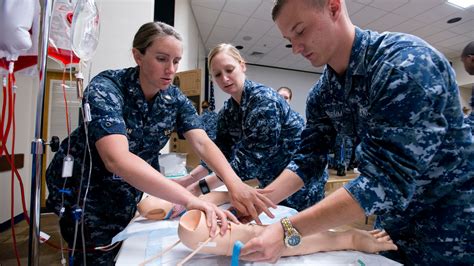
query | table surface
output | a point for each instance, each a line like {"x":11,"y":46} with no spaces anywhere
{"x":144,"y":239}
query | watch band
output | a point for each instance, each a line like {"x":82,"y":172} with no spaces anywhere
{"x":286,"y":224}
{"x":203,"y":186}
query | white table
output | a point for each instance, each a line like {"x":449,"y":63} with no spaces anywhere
{"x":145,"y":239}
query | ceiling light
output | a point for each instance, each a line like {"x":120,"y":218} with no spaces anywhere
{"x":462,"y":3}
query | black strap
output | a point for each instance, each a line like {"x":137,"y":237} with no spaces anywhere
{"x":203,"y":186}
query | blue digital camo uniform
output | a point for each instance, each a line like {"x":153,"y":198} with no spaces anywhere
{"x":416,"y":156}
{"x":260,"y":135}
{"x":118,"y":106}
{"x":209,"y":121}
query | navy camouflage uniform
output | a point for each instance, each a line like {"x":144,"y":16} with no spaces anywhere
{"x":118,"y":106}
{"x":260,"y":135}
{"x":209,"y":121}
{"x":416,"y":155}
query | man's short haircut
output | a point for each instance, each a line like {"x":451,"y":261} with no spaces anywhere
{"x":278,"y":5}
{"x":468,"y":50}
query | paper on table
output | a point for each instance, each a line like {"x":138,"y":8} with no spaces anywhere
{"x":141,"y":225}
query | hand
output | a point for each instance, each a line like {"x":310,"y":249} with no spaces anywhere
{"x":267,"y":247}
{"x":373,"y":241}
{"x":250,"y":201}
{"x":213,"y":215}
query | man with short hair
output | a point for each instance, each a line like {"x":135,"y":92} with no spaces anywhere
{"x":399,"y":96}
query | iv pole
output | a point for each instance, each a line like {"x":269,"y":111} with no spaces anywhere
{"x":37,"y":145}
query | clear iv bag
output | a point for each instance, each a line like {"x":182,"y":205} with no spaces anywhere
{"x":85,"y":29}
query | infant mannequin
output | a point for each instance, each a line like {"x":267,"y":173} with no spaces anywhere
{"x":193,"y":231}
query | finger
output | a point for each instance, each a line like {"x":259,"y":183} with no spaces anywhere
{"x":250,"y":247}
{"x":257,"y":220}
{"x":375,"y":231}
{"x":231,"y":217}
{"x":252,"y":211}
{"x":223,"y":220}
{"x":268,"y":202}
{"x":211,"y":222}
{"x":265,"y":190}
{"x":239,"y":207}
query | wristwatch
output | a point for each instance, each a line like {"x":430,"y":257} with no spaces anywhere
{"x":292,"y":237}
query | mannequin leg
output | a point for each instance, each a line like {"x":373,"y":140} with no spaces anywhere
{"x":193,"y":231}
{"x":154,"y":208}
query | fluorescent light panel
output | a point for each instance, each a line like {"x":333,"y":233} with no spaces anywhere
{"x":462,"y":3}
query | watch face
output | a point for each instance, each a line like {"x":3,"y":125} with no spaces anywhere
{"x":293,"y":240}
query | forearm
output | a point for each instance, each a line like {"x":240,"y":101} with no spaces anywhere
{"x":196,"y":174}
{"x":141,"y":175}
{"x":284,"y":186}
{"x":212,"y":182}
{"x":210,"y":153}
{"x":337,"y":209}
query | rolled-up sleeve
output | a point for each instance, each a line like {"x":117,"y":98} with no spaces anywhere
{"x":318,"y":136}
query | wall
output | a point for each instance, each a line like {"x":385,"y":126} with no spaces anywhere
{"x":120,"y":20}
{"x":299,"y":82}
{"x":465,"y":81}
{"x":25,"y":110}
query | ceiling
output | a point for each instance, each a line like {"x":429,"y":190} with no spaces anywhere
{"x":248,"y":23}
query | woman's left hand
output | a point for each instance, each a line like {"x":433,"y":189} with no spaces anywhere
{"x":250,"y":201}
{"x":215,"y":217}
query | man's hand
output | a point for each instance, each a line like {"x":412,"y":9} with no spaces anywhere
{"x":267,"y":247}
{"x":250,"y":201}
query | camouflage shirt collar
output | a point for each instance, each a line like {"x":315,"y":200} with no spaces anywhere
{"x":357,"y":60}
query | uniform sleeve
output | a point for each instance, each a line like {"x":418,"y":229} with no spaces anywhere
{"x":405,"y":130}
{"x":187,"y":117}
{"x":106,"y":105}
{"x":310,"y":159}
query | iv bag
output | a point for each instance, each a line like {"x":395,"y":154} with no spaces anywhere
{"x":85,"y":29}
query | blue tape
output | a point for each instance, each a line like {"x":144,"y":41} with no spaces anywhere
{"x":66,"y":191}
{"x":236,"y":253}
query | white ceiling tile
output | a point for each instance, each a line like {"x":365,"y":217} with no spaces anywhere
{"x":257,"y":26}
{"x":275,"y":32}
{"x":264,"y":12}
{"x":415,"y":7}
{"x":213,"y":4}
{"x":279,"y":52}
{"x":437,"y":13}
{"x":353,"y":7}
{"x":231,"y":27}
{"x":267,"y":43}
{"x":459,"y":39}
{"x":426,"y":31}
{"x":386,"y":22}
{"x":367,"y":15}
{"x":230,"y":20}
{"x":464,"y":27}
{"x":240,"y":39}
{"x":204,"y":30}
{"x":409,"y":26}
{"x":241,"y":7}
{"x":388,"y":5}
{"x":440,"y":36}
{"x":205,"y":15}
{"x":364,"y":2}
{"x":223,"y":34}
